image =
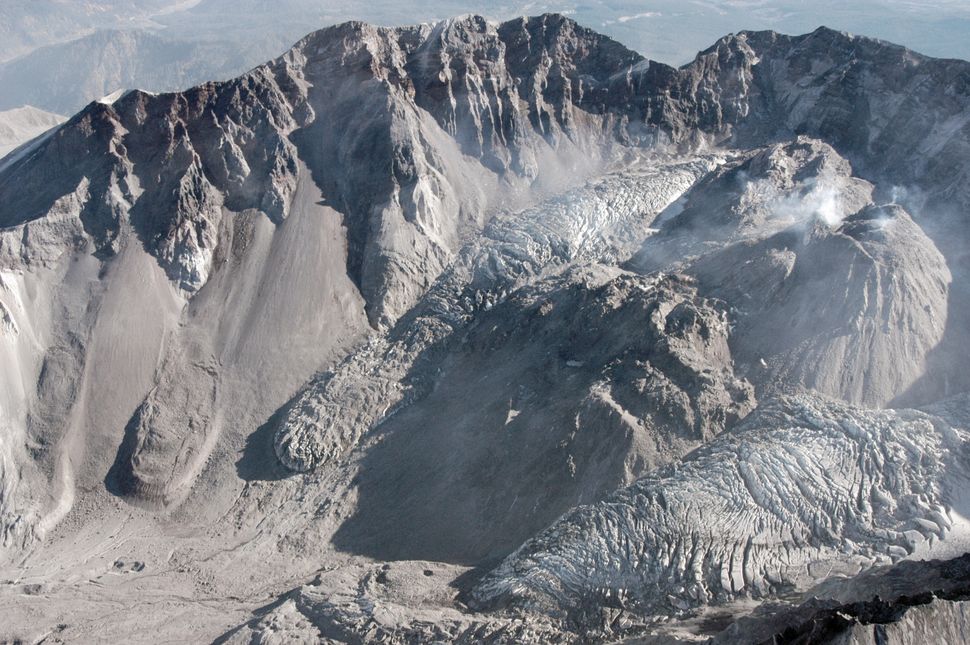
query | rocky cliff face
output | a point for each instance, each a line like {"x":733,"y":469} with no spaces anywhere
{"x":417,"y":294}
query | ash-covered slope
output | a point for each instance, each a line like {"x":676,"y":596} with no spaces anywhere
{"x":26,"y":26}
{"x":413,"y":294}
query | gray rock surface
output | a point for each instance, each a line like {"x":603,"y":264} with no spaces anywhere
{"x":910,"y":602}
{"x":769,"y":232}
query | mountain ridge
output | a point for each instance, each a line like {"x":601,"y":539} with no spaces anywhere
{"x":255,"y":313}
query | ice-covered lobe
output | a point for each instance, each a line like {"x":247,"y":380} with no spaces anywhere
{"x":806,"y":488}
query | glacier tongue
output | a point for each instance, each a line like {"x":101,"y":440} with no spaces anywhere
{"x":804,"y":489}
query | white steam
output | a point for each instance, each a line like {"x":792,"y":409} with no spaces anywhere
{"x":820,"y":200}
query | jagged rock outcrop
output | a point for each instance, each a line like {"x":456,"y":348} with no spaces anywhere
{"x":909,"y":602}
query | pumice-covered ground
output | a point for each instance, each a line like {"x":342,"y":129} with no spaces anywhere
{"x":484,"y":332}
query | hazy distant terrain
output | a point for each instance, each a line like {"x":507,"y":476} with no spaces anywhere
{"x":671,"y":31}
{"x":26,"y":25}
{"x":22,"y":124}
{"x":60,"y":64}
{"x":115,"y":59}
